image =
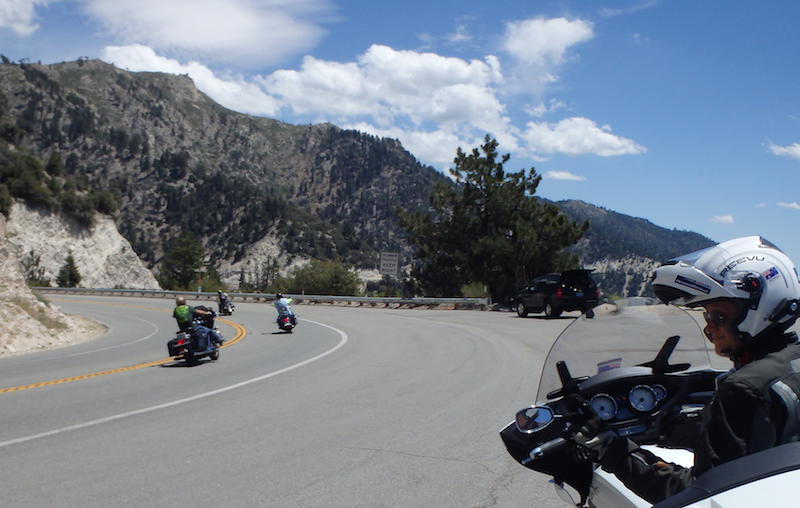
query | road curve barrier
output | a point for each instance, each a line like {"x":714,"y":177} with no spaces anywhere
{"x":354,"y":301}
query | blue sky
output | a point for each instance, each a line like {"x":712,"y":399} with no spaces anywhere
{"x":684,"y":113}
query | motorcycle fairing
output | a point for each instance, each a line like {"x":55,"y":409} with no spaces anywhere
{"x":576,"y":474}
{"x":623,"y":346}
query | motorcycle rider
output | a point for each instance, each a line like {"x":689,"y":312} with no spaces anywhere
{"x":184,"y":315}
{"x":750,"y":291}
{"x":223,"y":302}
{"x":281,"y":304}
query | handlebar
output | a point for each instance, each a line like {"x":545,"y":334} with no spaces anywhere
{"x":545,"y":448}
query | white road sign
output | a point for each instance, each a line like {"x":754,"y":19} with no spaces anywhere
{"x":390,"y":262}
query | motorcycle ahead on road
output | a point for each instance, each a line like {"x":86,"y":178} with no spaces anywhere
{"x":286,"y":319}
{"x":193,"y":346}
{"x":225,"y":308}
{"x":287,"y":322}
{"x":645,"y":370}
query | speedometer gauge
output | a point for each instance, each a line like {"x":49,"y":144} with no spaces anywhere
{"x":642,"y":398}
{"x":604,"y":406}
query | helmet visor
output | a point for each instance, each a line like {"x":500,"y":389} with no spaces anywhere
{"x":690,"y":258}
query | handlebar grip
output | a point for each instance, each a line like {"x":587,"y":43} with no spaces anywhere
{"x":546,"y":448}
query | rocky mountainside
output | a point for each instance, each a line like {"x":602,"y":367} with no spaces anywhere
{"x":174,"y":161}
{"x":160,"y":157}
{"x":623,"y":250}
{"x":615,"y":235}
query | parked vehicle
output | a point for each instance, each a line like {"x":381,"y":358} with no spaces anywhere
{"x":194,"y":345}
{"x":559,"y":292}
{"x":645,"y":370}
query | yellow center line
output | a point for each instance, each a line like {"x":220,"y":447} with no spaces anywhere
{"x":240,"y":333}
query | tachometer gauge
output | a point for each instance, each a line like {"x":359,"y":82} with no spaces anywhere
{"x":604,"y":406}
{"x":661,"y":392}
{"x":642,"y":398}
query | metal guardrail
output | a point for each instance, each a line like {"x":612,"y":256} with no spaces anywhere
{"x":365,"y":301}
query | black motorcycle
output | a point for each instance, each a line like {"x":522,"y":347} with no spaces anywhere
{"x":225,"y":308}
{"x":193,"y":345}
{"x":287,"y":322}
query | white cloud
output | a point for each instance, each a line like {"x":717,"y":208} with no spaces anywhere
{"x":408,"y":95}
{"x":543,"y":43}
{"x":401,"y":92}
{"x":388,"y":84}
{"x":607,"y":12}
{"x":541,"y":46}
{"x":761,"y":205}
{"x":540,"y":110}
{"x":562,"y":175}
{"x":793,"y":206}
{"x":577,"y":136}
{"x":723,"y":219}
{"x":792,"y":151}
{"x":19,"y":16}
{"x":230,"y":31}
{"x":234,"y":93}
{"x":460,"y":35}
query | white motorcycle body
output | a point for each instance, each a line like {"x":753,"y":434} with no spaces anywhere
{"x":745,"y":486}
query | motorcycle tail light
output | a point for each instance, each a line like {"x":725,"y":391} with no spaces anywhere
{"x":181,"y":342}
{"x":559,"y":293}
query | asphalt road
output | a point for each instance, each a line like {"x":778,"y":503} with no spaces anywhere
{"x":360,"y":407}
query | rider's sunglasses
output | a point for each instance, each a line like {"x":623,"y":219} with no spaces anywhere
{"x":715,"y":317}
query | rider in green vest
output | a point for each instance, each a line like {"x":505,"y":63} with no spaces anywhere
{"x":184,"y":315}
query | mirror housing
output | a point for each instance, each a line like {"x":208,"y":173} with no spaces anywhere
{"x":533,"y":419}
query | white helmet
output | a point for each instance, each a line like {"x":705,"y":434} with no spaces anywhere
{"x":750,"y":271}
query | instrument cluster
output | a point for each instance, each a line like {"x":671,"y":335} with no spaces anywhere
{"x":642,"y":398}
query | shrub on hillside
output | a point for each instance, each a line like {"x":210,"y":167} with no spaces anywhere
{"x":323,"y":278}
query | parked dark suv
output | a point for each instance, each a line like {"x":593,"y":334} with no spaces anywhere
{"x":558,"y":292}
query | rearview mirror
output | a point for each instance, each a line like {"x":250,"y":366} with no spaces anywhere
{"x":533,"y":419}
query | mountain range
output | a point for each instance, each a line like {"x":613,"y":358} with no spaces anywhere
{"x":161,"y":158}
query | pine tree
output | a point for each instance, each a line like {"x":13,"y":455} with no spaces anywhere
{"x":489,"y":228}
{"x":182,"y":265}
{"x":68,"y":276}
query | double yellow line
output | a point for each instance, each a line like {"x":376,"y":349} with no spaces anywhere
{"x":240,"y":333}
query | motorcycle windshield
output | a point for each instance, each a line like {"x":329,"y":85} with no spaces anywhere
{"x":626,"y":333}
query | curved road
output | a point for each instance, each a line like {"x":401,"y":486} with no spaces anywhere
{"x":359,"y":407}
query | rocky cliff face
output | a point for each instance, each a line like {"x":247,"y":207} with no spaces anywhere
{"x":27,"y":323}
{"x":103,"y":257}
{"x":626,"y":277}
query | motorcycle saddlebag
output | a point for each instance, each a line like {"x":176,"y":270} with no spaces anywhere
{"x":178,"y":344}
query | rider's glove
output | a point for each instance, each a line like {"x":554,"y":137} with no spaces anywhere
{"x":588,"y":429}
{"x":596,"y":435}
